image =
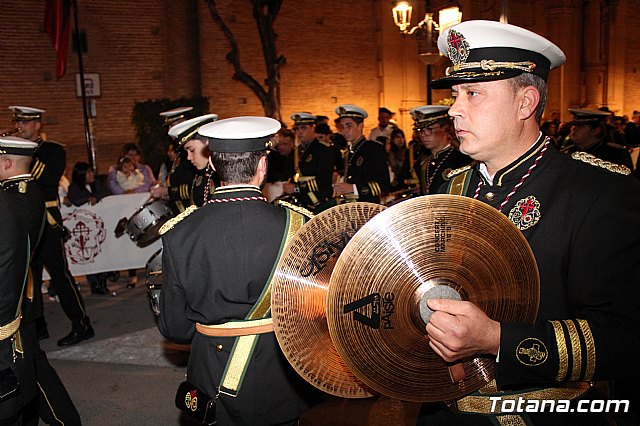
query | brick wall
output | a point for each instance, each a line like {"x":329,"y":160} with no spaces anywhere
{"x":162,"y":48}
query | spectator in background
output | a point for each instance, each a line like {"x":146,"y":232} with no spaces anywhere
{"x":385,"y":125}
{"x":549,"y":128}
{"x":131,"y":151}
{"x":396,"y":154}
{"x":84,"y":189}
{"x":128,"y":177}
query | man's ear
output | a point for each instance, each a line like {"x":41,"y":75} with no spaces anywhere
{"x":530,"y":98}
{"x":262,"y":165}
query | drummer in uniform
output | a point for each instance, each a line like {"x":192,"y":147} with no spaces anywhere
{"x":579,"y":216}
{"x":366,"y":175}
{"x":234,"y":241}
{"x":47,"y":168}
{"x":590,"y":134}
{"x":181,"y":173}
{"x":197,"y":153}
{"x":435,"y":130}
{"x":313,"y":163}
{"x":53,"y":400}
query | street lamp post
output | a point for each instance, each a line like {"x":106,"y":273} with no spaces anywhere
{"x":448,"y":15}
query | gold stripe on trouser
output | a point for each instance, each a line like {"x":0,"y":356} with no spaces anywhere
{"x":29,"y":292}
{"x":243,"y":347}
{"x":71,"y":281}
{"x":576,"y":351}
{"x":591,"y":348}
{"x":17,"y":343}
{"x":563,"y":354}
{"x":53,"y":412}
{"x":10,"y":329}
{"x":481,"y":404}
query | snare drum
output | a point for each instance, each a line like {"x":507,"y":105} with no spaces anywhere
{"x":154,"y":281}
{"x":145,"y":223}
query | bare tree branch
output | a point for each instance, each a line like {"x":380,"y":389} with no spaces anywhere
{"x":265,"y":13}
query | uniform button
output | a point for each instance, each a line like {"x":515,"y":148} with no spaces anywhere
{"x":219,"y":348}
{"x":490,"y":196}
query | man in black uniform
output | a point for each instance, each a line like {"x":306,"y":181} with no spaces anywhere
{"x":280,"y":159}
{"x":234,"y":241}
{"x":181,"y":173}
{"x":366,"y":175}
{"x":590,"y":133}
{"x":53,"y":404}
{"x":197,"y":153}
{"x":577,"y":218}
{"x":17,"y":384}
{"x":47,"y":168}
{"x":313,"y":163}
{"x":435,"y":131}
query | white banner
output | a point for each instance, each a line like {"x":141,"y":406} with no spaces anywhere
{"x":93,"y":246}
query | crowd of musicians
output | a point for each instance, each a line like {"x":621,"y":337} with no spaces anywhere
{"x":313,"y":167}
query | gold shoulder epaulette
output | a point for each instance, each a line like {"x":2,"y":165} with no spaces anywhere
{"x":455,"y":172}
{"x":174,"y":220}
{"x":378,"y":142}
{"x":595,"y":161}
{"x":295,"y":208}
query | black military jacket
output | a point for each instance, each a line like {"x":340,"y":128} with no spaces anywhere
{"x":14,"y":260}
{"x":280,"y":169}
{"x":433,"y":170}
{"x":316,"y":160}
{"x":29,"y":201}
{"x":581,"y":222}
{"x":367,"y":169}
{"x":216,"y":263}
{"x":179,"y":184}
{"x":47,"y":167}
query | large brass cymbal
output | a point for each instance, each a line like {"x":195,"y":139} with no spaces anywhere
{"x":299,"y":297}
{"x":406,"y":254}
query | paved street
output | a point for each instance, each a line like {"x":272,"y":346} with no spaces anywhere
{"x":127,"y":374}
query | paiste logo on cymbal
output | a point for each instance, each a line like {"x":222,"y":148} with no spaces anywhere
{"x":371,"y":303}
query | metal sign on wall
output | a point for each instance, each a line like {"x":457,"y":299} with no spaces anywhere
{"x":91,"y":85}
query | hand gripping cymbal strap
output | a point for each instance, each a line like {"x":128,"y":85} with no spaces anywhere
{"x":244,"y":345}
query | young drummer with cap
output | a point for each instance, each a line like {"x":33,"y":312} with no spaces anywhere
{"x":196,"y":192}
{"x":366,"y":175}
{"x":435,"y":130}
{"x":47,"y":167}
{"x":576,"y":214}
{"x":217,"y":262}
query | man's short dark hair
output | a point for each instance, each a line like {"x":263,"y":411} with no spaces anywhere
{"x":286,"y":133}
{"x":236,"y":167}
{"x":527,"y":79}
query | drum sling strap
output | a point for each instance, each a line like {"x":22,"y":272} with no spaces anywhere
{"x":257,"y":321}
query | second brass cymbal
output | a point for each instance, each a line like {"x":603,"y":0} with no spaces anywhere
{"x":299,"y":294}
{"x":433,"y":246}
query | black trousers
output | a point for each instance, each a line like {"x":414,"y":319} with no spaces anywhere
{"x":51,"y":254}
